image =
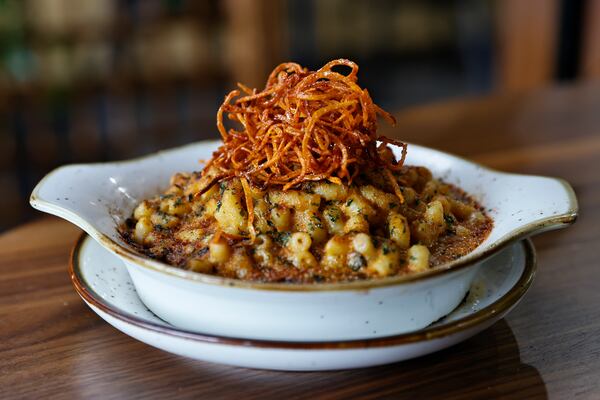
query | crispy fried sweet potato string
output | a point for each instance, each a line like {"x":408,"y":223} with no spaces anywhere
{"x":304,"y":126}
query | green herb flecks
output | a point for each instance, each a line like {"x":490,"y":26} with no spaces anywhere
{"x":356,"y":261}
{"x":281,"y":238}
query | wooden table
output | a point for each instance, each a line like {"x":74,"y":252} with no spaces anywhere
{"x":52,"y":345}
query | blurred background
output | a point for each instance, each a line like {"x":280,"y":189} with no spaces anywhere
{"x":95,"y":80}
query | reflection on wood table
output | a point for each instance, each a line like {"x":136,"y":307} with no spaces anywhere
{"x":52,"y":345}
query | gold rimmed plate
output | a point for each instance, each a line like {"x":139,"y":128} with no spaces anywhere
{"x":104,"y":284}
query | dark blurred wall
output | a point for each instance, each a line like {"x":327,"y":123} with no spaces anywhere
{"x":94,"y":80}
{"x":84,"y":81}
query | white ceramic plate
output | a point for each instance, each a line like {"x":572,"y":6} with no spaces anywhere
{"x":103,"y":283}
{"x":98,"y":197}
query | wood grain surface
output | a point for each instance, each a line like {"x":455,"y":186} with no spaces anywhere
{"x":53,"y":346}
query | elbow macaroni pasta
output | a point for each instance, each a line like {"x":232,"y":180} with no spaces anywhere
{"x":319,"y":232}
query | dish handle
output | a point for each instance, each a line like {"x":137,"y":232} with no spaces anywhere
{"x":96,"y":208}
{"x":532,"y":204}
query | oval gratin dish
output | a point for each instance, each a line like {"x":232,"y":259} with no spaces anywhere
{"x":99,"y":197}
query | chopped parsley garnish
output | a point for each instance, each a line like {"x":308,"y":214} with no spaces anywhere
{"x":386,"y":248}
{"x":333,"y":216}
{"x":308,"y":187}
{"x":356,"y":261}
{"x":281,"y":238}
{"x":449,"y":223}
{"x":315,"y":222}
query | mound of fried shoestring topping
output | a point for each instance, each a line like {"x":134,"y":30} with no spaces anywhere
{"x":303,"y":126}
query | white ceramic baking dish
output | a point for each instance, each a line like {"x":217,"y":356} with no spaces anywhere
{"x":98,"y":197}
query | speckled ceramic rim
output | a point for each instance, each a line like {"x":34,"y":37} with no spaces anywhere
{"x":463,"y":262}
{"x":505,"y":303}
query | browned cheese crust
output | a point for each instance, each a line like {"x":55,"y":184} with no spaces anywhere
{"x":319,"y":232}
